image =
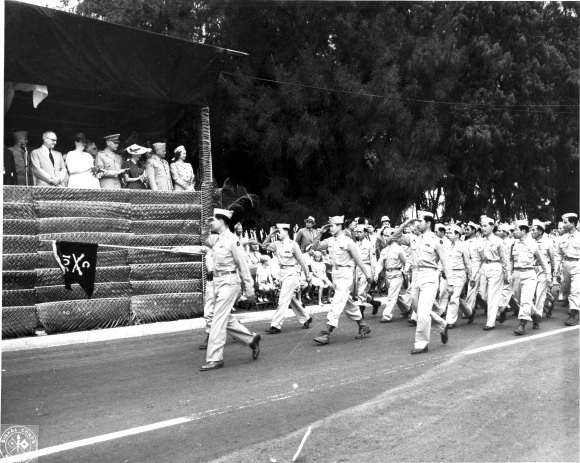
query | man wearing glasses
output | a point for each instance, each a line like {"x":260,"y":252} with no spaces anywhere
{"x":111,"y":163}
{"x":47,"y":164}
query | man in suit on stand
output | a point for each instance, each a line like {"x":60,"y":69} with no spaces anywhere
{"x":47,"y":164}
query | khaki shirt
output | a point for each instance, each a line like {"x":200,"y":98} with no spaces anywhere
{"x":490,"y":249}
{"x":392,"y":257}
{"x":459,"y":256}
{"x":158,"y":174}
{"x":525,"y":253}
{"x":340,"y":250}
{"x":546,"y":246}
{"x":365,"y":250}
{"x":288,"y":252}
{"x":568,"y":246}
{"x":426,"y":250}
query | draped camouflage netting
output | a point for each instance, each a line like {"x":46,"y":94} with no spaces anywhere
{"x":132,"y":286}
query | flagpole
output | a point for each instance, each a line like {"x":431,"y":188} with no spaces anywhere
{"x":140,"y":247}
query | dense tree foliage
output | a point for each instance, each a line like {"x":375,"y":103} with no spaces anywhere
{"x":476,"y":103}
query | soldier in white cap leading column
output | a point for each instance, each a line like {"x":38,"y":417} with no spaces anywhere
{"x":288,"y":253}
{"x":525,"y":254}
{"x":568,"y":258}
{"x":343,"y":256}
{"x":229,"y":266}
{"x":427,"y":251}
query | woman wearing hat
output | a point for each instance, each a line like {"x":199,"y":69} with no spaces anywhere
{"x":80,"y":166}
{"x":181,"y":171}
{"x":135,"y":175}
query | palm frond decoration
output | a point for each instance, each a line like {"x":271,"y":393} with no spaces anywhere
{"x":233,"y":197}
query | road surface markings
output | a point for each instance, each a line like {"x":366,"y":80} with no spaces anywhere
{"x":252,"y":403}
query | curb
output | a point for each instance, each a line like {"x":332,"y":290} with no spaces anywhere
{"x":126,"y":332}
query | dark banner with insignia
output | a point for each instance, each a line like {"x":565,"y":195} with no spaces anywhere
{"x":78,"y":262}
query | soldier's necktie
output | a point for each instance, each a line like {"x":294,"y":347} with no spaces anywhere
{"x":51,"y":157}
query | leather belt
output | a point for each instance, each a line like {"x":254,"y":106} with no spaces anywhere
{"x":345,"y":266}
{"x":393,"y":269}
{"x":287,"y":266}
{"x":571,"y":259}
{"x":487,"y":261}
{"x":219,"y":273}
{"x":521,"y":269}
{"x":458,"y":269}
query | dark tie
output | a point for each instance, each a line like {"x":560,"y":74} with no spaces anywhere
{"x":51,"y":157}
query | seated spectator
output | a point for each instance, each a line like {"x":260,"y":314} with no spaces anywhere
{"x":264,"y":279}
{"x":181,"y":171}
{"x":47,"y":164}
{"x":81,"y":167}
{"x":253,"y":255}
{"x":135,"y":175}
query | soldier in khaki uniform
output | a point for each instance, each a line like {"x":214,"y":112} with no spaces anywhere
{"x":158,"y":171}
{"x":288,"y":253}
{"x":229,"y":267}
{"x":546,"y":246}
{"x":493,"y":263}
{"x":427,"y":250}
{"x":525,"y":253}
{"x":111,"y":163}
{"x":461,"y":272}
{"x":568,"y":259}
{"x":368,"y":258}
{"x":344,"y":257}
{"x":503,"y":232}
{"x":393,"y":260}
{"x":468,"y":305}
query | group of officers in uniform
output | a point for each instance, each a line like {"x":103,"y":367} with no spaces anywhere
{"x":441,"y":261}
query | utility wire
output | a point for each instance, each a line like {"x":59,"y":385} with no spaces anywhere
{"x":448,"y":103}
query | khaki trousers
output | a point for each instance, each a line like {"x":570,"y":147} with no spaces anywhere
{"x":362,"y":285}
{"x":458,"y":278}
{"x":209,"y":305}
{"x":524,"y":287}
{"x":424,"y":293}
{"x":343,"y":279}
{"x":227,"y":291}
{"x":395,"y":282}
{"x":289,"y":280}
{"x":541,"y":291}
{"x":571,"y":283}
{"x":493,"y":283}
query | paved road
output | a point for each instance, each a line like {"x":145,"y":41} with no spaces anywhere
{"x":367,"y":400}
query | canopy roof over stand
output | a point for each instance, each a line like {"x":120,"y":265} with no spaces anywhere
{"x":101,"y":77}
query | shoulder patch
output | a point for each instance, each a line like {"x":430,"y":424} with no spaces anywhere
{"x":238,"y":243}
{"x":440,"y":241}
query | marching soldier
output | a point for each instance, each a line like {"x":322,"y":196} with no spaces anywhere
{"x":288,"y":253}
{"x":393,"y":261}
{"x":525,"y":253}
{"x":229,"y":266}
{"x":468,"y":305}
{"x":503,"y":232}
{"x":369,"y":260}
{"x":493,"y":264}
{"x":427,"y":250}
{"x":546,"y":246}
{"x":568,"y":259}
{"x":343,"y":256}
{"x":158,"y":172}
{"x":461,"y":272}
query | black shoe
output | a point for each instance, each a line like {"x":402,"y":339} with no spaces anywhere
{"x":273,"y":330}
{"x":488,"y":328}
{"x":376,"y":306}
{"x":212,"y":365}
{"x":471,"y":317}
{"x":521,"y":329}
{"x":307,"y":323}
{"x":412,"y":322}
{"x":203,"y":345}
{"x":536,"y":319}
{"x":420,"y":351}
{"x":450,"y":326}
{"x":502,"y":315}
{"x":363,"y":330}
{"x":445,"y":335}
{"x":255,"y":346}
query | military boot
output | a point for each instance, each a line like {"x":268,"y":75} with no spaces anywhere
{"x":363,"y":330}
{"x":521,"y":328}
{"x":572,"y":319}
{"x":536,"y":319}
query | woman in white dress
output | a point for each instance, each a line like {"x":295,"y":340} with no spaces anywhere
{"x":81,"y":166}
{"x":181,"y":171}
